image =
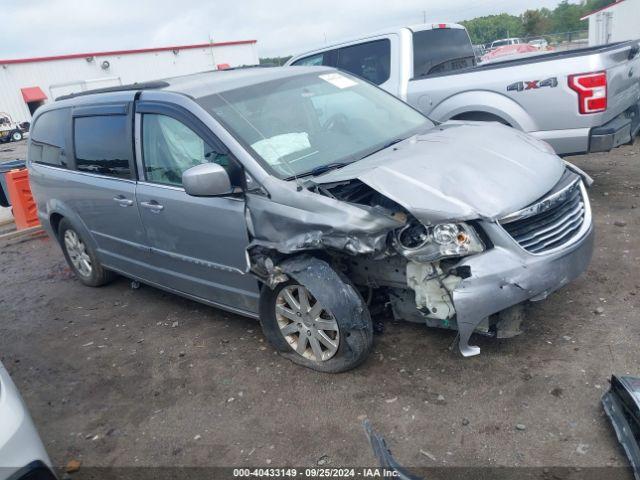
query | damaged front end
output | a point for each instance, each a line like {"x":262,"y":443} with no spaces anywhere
{"x":421,"y":251}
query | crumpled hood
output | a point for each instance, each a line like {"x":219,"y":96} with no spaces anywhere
{"x":459,"y":171}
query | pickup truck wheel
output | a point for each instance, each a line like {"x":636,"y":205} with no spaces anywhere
{"x":16,"y":136}
{"x":81,"y":257}
{"x":307,"y":333}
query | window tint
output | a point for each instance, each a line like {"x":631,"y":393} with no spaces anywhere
{"x":441,"y":50}
{"x":312,"y":61}
{"x":371,"y":60}
{"x":47,"y":138}
{"x":103,"y":145}
{"x":169,"y":148}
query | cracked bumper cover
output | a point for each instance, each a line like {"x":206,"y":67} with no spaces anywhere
{"x":507,"y":275}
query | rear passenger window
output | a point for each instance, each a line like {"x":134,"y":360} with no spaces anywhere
{"x":371,"y":60}
{"x":47,"y":138}
{"x":103,"y":145}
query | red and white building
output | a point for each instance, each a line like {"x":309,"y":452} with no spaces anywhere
{"x":27,"y":83}
{"x":614,"y":23}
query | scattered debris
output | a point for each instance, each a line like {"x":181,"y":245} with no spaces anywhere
{"x":582,"y":448}
{"x":197,"y":437}
{"x":557,"y":392}
{"x":72,"y":466}
{"x":521,"y":427}
{"x":620,"y":223}
{"x":174,"y":324}
{"x":599,"y":310}
{"x":391,"y":400}
{"x":323,"y":460}
{"x":465,"y":421}
{"x":135,"y":285}
{"x":430,"y":456}
{"x":88,"y":344}
{"x":622,"y":405}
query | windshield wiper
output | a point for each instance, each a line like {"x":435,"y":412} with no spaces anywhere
{"x":319,"y":170}
{"x":386,"y":145}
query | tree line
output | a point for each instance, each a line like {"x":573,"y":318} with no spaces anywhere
{"x":564,"y":18}
{"x":543,"y":21}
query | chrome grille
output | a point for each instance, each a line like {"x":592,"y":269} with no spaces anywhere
{"x":551,"y":222}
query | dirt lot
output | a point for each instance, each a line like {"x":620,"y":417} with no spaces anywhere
{"x":123,"y":377}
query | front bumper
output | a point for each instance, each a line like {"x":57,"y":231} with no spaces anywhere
{"x":618,"y":131}
{"x":507,"y":275}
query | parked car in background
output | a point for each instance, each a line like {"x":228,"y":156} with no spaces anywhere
{"x":479,"y":50}
{"x":307,"y":197}
{"x":11,"y":131}
{"x":22,"y":455}
{"x":578,"y":101}
{"x":517,"y":50}
{"x":539,"y":43}
{"x":505,"y":41}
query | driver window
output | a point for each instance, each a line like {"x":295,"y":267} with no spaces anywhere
{"x":169,"y":148}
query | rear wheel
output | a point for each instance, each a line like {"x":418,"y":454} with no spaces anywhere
{"x":16,"y":136}
{"x":81,"y":257}
{"x":307,"y":333}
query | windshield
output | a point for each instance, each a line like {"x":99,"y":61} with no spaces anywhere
{"x":297,"y":125}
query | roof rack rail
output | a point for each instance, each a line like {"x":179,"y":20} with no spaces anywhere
{"x":120,"y":88}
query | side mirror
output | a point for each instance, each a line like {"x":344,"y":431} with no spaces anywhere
{"x":206,"y":180}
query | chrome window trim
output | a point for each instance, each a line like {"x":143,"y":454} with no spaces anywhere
{"x":87,"y":174}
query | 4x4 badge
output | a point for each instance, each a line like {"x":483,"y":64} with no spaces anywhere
{"x":532,"y":84}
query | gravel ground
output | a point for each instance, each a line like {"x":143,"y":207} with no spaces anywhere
{"x":122,"y":377}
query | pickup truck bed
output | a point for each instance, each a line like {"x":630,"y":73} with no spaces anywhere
{"x":433,"y":68}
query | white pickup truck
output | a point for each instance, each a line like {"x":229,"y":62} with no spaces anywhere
{"x":583,"y":100}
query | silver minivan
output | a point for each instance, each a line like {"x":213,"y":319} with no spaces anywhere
{"x":308,"y":198}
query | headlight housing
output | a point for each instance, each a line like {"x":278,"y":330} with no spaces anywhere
{"x":426,"y":244}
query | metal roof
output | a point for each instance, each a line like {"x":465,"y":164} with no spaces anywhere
{"x":123,"y":52}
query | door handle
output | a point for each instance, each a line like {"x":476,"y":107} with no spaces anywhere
{"x":123,"y":202}
{"x":154,"y":206}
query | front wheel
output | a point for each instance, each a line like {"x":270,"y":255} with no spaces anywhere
{"x":16,"y":136}
{"x":305,"y":331}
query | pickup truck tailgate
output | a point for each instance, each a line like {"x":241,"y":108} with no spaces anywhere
{"x":623,"y":79}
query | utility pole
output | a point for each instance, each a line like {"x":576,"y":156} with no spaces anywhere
{"x":213,"y":57}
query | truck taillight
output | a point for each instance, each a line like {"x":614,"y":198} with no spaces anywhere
{"x":592,"y":91}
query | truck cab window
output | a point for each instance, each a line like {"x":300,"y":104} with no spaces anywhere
{"x":441,"y":50}
{"x":312,"y":61}
{"x":371,"y":60}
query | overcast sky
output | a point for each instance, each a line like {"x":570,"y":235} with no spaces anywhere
{"x":45,"y":27}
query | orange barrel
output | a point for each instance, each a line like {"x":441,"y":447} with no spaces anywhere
{"x":25,"y":213}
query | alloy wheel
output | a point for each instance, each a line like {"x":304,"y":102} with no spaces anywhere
{"x":310,"y":329}
{"x":77,"y":251}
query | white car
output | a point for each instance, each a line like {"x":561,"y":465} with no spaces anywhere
{"x":22,"y":454}
{"x":505,"y":41}
{"x":539,"y":43}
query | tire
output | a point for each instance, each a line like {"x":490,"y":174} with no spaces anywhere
{"x":16,"y":136}
{"x":81,"y":257}
{"x":353,"y":345}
